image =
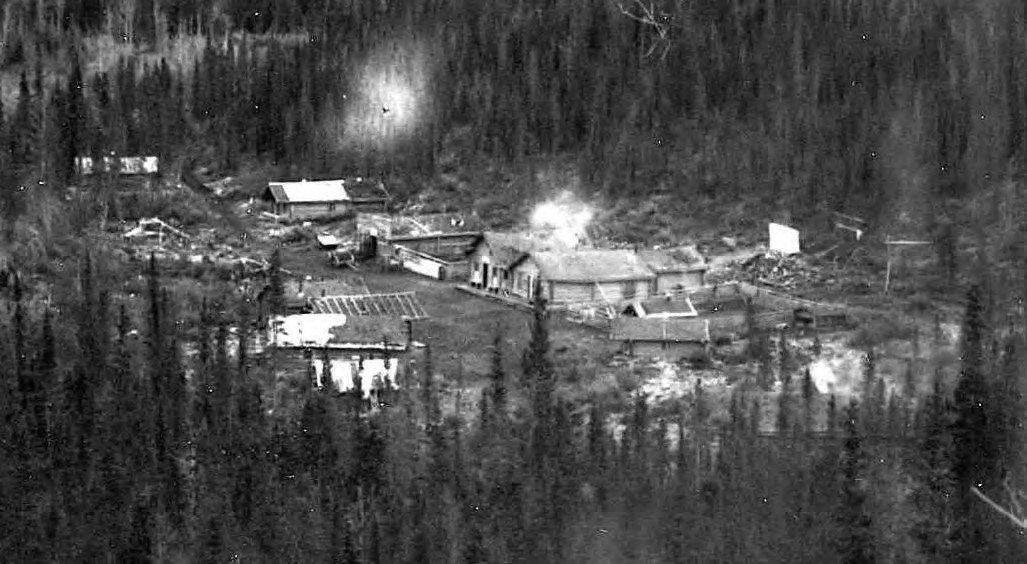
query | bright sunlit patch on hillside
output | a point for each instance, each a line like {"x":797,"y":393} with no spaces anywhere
{"x":387,"y":103}
{"x":565,"y":217}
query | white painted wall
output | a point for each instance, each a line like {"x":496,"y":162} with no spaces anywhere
{"x":421,"y":266}
{"x":371,"y":377}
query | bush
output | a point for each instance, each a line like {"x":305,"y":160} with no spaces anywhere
{"x":878,"y":331}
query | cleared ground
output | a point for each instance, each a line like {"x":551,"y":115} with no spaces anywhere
{"x":461,"y":328}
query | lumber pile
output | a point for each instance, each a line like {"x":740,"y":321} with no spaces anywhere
{"x":788,"y":271}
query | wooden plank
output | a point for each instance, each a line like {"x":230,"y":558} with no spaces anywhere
{"x":350,"y":304}
{"x":402,"y":308}
{"x":851,"y":218}
{"x":396,"y":305}
{"x":907,"y":242}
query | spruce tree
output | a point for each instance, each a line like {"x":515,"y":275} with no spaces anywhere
{"x":974,"y":456}
{"x":934,"y":488}
{"x":597,"y":451}
{"x":539,"y":379}
{"x":23,"y":126}
{"x":855,"y":542}
{"x":75,"y":119}
{"x":276,"y":286}
{"x":809,"y":393}
{"x":497,"y":379}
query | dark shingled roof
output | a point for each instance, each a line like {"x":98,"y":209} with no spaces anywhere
{"x":660,"y":330}
{"x":591,"y":265}
{"x":508,"y":248}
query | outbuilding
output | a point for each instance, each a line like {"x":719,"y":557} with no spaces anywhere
{"x":675,"y":269}
{"x":307,"y":199}
{"x":666,"y":338}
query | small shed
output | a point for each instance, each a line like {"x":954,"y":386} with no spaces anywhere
{"x":675,"y":269}
{"x":587,"y":275}
{"x":307,"y":199}
{"x":328,"y":242}
{"x":367,"y":194}
{"x":669,"y":339}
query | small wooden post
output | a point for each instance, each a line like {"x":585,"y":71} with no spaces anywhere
{"x":887,"y":269}
{"x":888,"y":243}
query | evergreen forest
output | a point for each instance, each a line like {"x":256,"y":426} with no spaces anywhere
{"x":130,"y":435}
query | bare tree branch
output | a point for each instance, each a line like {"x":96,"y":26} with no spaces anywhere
{"x":1015,"y":514}
{"x":660,"y":22}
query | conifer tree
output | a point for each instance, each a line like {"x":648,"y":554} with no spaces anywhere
{"x":539,"y":379}
{"x":276,"y":286}
{"x":597,"y":451}
{"x":497,"y":379}
{"x":784,"y":404}
{"x":855,"y":542}
{"x":23,"y":126}
{"x":934,"y":487}
{"x":138,"y":549}
{"x":429,"y":393}
{"x":974,"y":456}
{"x":809,"y":392}
{"x":75,"y":119}
{"x":872,"y":410}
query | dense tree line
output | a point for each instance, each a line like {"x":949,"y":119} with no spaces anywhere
{"x":119,"y":445}
{"x":869,"y":106}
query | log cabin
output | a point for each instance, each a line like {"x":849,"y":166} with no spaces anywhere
{"x":300,"y":200}
{"x":667,"y":338}
{"x":612,"y":276}
{"x":492,"y":255}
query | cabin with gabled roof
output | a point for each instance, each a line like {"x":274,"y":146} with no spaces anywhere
{"x":584,"y":275}
{"x":306,"y":199}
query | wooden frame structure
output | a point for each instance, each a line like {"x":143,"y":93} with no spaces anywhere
{"x":889,"y":243}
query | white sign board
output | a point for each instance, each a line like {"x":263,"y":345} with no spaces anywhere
{"x":784,"y":239}
{"x":123,"y":165}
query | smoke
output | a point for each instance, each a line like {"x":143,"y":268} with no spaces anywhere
{"x":387,"y":104}
{"x":564,"y":217}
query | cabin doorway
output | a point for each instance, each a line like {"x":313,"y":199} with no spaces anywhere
{"x":369,"y":248}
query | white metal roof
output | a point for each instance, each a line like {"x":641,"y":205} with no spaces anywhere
{"x":309,"y":191}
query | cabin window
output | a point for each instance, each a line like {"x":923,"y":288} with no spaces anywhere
{"x":628,"y":290}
